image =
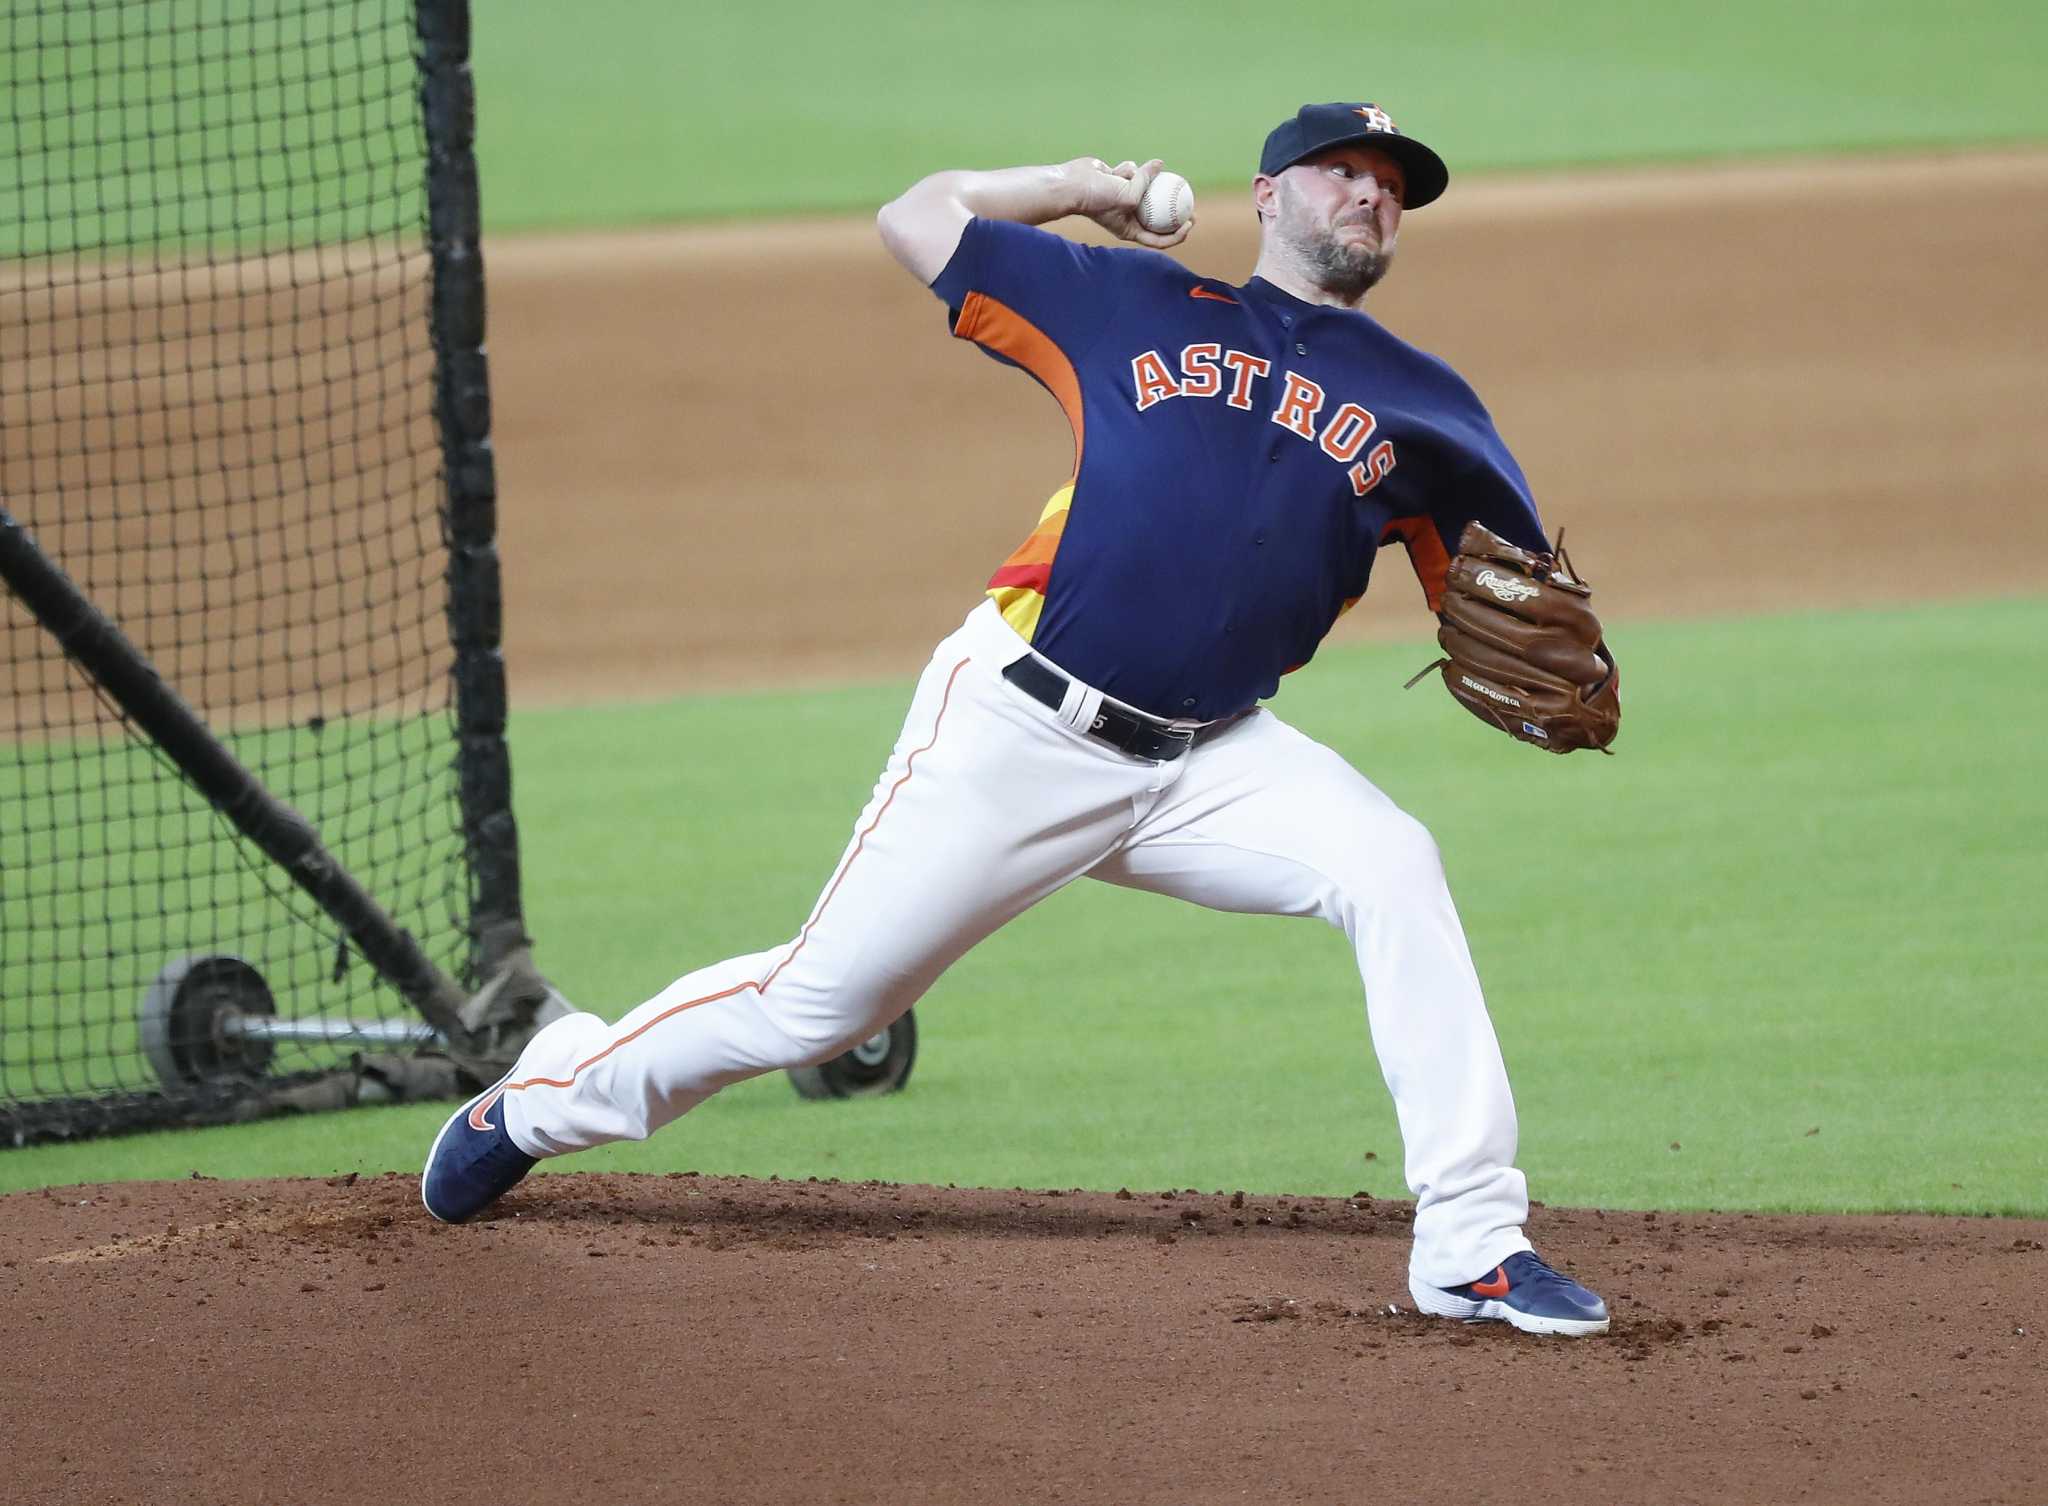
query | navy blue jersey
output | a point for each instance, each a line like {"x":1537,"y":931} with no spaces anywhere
{"x":1239,"y":458}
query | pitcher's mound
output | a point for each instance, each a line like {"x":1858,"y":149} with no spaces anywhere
{"x":696,"y":1338}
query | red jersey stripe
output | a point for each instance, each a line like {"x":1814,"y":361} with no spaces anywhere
{"x":1031,"y":576}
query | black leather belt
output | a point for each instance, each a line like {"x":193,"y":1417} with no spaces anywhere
{"x":1129,"y":732}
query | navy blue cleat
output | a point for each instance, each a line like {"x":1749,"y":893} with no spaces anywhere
{"x":473,"y":1162}
{"x":1521,"y":1290}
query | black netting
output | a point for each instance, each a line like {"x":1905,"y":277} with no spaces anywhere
{"x":217,"y":416}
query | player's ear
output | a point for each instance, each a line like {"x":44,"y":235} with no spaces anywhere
{"x":1265,"y":196}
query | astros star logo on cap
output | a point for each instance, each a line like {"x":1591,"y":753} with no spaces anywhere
{"x":1314,"y":128}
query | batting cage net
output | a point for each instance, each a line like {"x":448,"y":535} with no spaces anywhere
{"x":242,"y":413}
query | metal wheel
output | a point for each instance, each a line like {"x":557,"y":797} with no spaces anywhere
{"x":184,"y":1018}
{"x":879,"y":1064}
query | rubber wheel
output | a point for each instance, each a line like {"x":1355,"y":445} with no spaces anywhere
{"x":879,"y":1064}
{"x":181,"y":1016}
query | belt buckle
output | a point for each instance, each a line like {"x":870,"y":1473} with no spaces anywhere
{"x":1175,"y":732}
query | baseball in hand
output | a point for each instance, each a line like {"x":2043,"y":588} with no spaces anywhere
{"x":1168,"y":204}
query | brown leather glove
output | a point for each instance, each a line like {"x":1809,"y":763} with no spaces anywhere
{"x":1523,"y":647}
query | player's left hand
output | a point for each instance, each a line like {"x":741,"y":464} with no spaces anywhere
{"x":1110,"y":197}
{"x":1523,"y":648}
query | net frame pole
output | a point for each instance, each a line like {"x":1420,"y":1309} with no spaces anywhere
{"x":462,"y":407}
{"x":97,"y":645}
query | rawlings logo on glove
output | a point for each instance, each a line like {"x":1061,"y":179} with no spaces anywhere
{"x":1523,"y":650}
{"x":1506,"y":588}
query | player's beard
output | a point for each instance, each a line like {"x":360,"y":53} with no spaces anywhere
{"x":1347,"y":266}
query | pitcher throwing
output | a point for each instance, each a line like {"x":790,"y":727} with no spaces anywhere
{"x":1241,"y":452}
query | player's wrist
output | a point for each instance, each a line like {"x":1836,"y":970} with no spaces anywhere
{"x":1057,"y":190}
{"x":1089,"y":187}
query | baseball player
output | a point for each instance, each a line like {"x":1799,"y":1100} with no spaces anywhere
{"x":1241,"y":452}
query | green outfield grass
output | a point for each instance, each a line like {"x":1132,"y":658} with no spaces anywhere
{"x":1783,"y":952}
{"x":620,"y":111}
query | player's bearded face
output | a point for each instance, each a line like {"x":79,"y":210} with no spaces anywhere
{"x":1341,"y":245}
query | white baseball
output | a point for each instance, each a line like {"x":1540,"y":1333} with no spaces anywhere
{"x":1168,"y":204}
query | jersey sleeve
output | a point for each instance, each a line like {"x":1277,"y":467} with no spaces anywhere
{"x":1005,"y":274}
{"x":1490,"y":490}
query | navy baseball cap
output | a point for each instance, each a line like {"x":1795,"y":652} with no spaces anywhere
{"x":1317,"y":126}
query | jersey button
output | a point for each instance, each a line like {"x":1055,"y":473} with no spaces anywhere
{"x":1188,"y":704}
{"x":1259,"y":538}
{"x":1300,"y":349}
{"x":1274,"y":453}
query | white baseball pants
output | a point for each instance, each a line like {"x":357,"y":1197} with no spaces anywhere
{"x":989,"y":803}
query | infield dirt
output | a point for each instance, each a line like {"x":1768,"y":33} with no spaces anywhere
{"x":694,"y":1339}
{"x":741,"y":457}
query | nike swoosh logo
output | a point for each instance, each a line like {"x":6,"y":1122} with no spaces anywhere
{"x":1199,"y":292}
{"x":480,"y":1115}
{"x":1495,"y":1285}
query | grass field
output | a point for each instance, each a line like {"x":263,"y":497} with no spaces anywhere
{"x":694,"y":111}
{"x":1790,"y":959}
{"x":1783,"y":952}
{"x":625,"y":111}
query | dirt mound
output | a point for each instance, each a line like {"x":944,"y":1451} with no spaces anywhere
{"x":696,"y":1338}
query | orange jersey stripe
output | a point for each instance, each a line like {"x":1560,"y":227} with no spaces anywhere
{"x":1426,"y":553}
{"x":1002,"y":329}
{"x":1042,"y":545}
{"x":1029,"y":568}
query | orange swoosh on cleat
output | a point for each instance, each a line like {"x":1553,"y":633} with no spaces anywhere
{"x":1495,"y":1285}
{"x":1205,"y":293}
{"x":479,"y":1117}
